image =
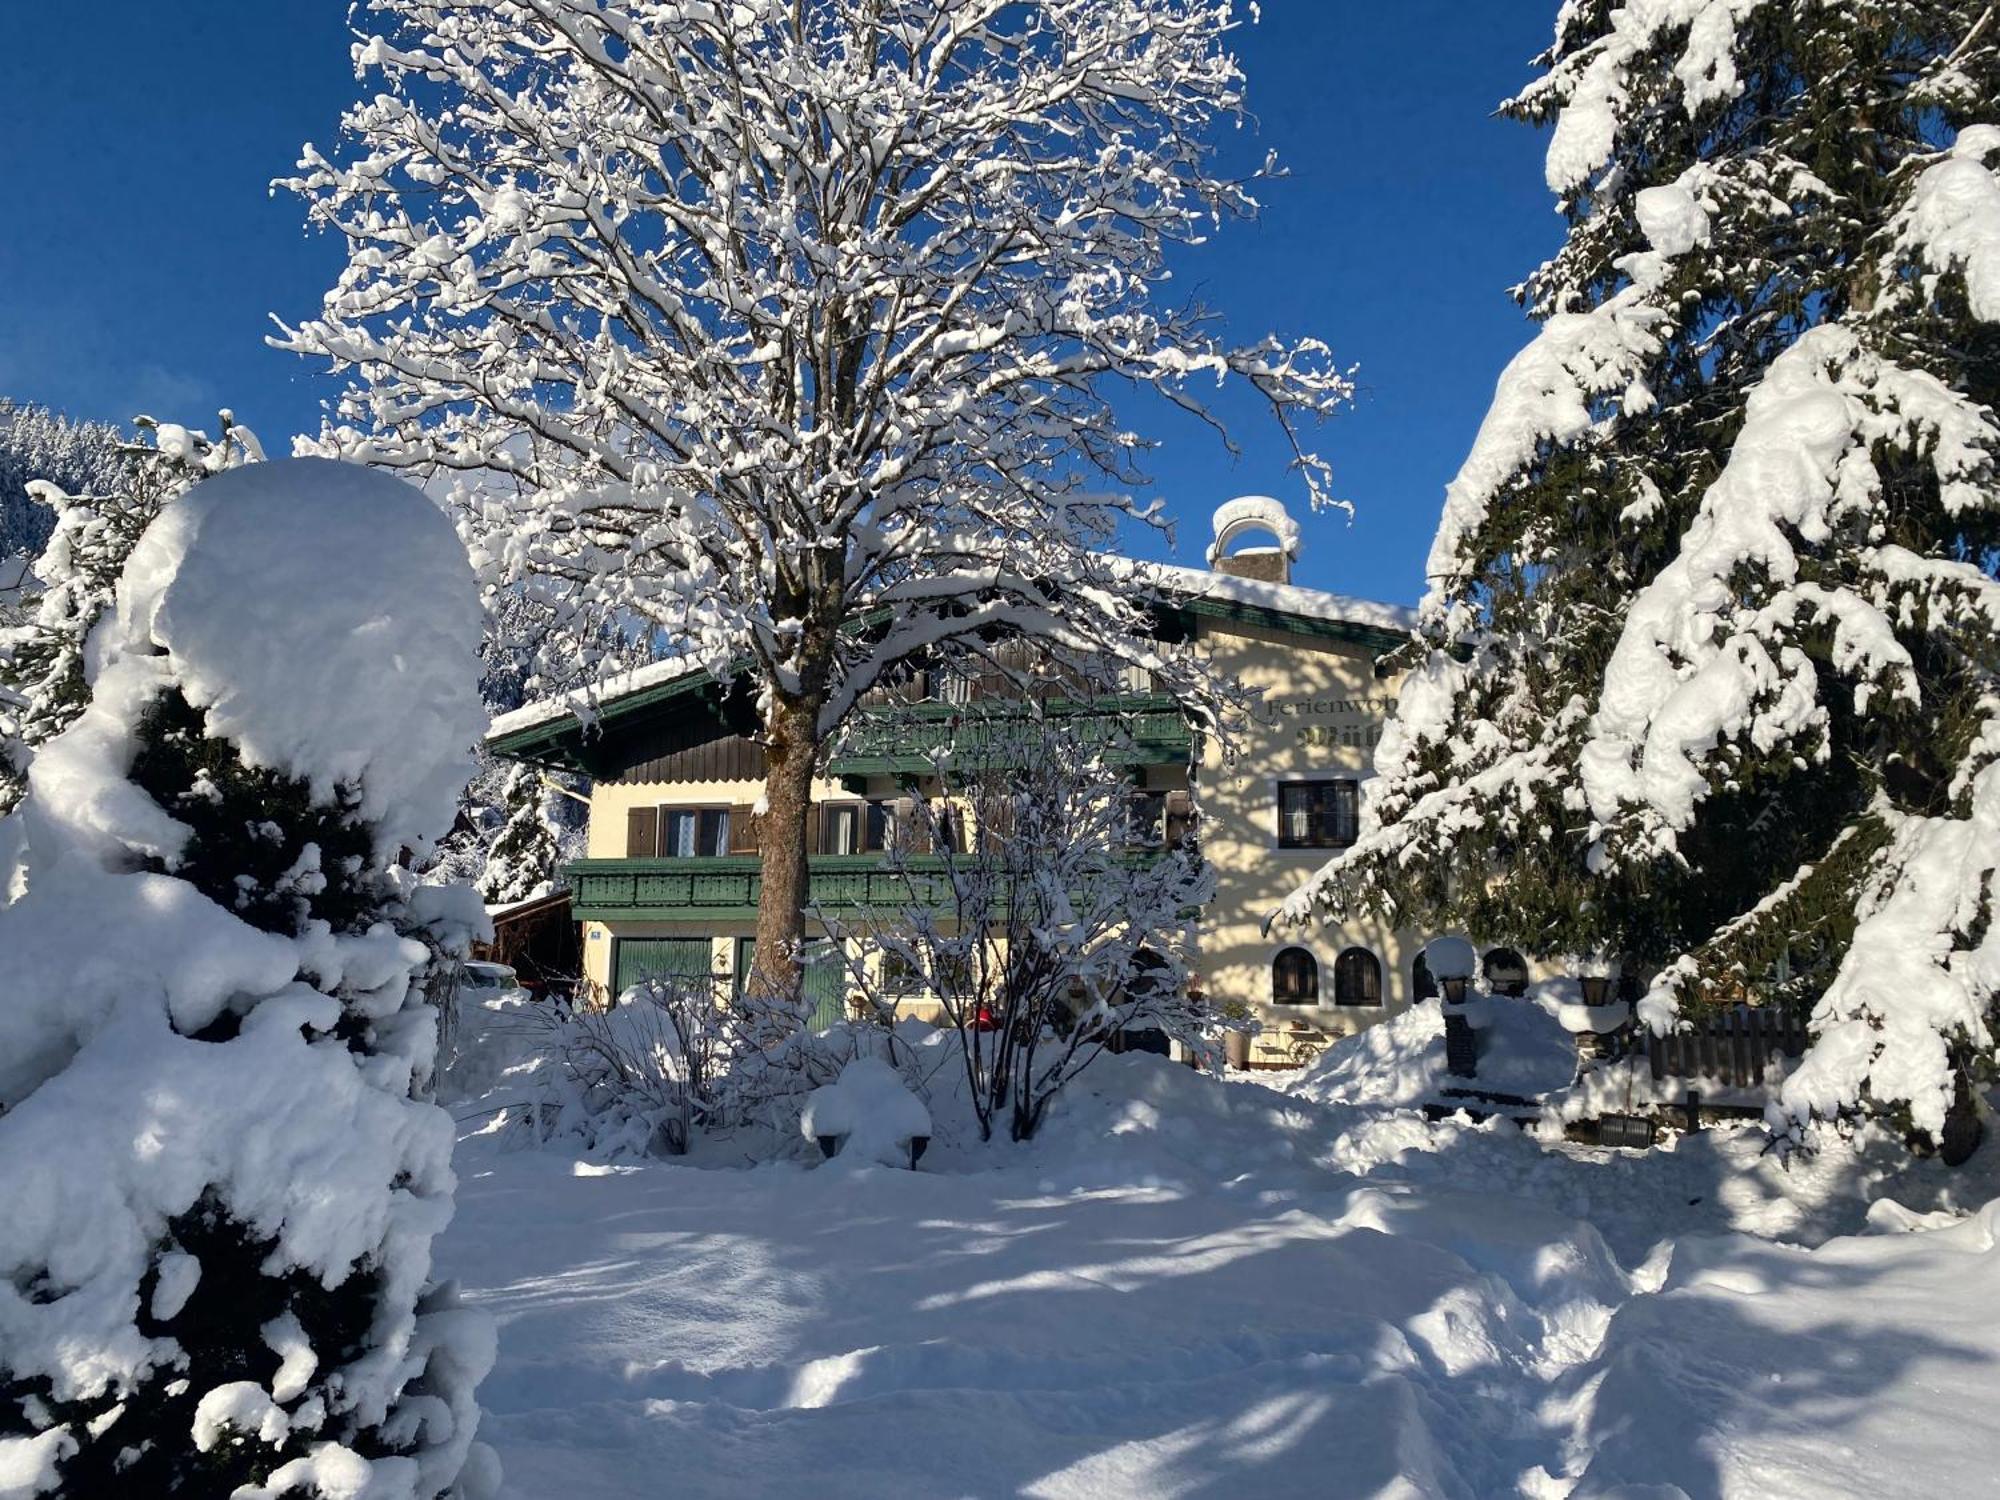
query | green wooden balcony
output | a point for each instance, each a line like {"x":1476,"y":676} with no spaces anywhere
{"x":902,"y":741}
{"x":726,"y":888}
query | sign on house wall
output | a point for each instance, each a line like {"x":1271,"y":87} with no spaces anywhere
{"x":1319,"y":723}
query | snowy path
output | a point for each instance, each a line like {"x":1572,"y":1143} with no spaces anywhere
{"x":1180,"y":1293}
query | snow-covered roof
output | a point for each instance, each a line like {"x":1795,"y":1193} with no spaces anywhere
{"x":1175,"y":582}
{"x":1285,"y":598}
{"x":586,"y":699}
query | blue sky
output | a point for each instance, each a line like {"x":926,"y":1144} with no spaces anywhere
{"x":143,"y":253}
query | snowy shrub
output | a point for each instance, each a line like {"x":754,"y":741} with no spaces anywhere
{"x":638,"y":1076}
{"x":674,"y":1058}
{"x":221,"y":1189}
{"x":1044,"y":931}
{"x":870,"y":1112}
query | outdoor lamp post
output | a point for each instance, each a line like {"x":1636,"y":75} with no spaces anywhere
{"x":1596,"y":989}
{"x":1451,"y":962}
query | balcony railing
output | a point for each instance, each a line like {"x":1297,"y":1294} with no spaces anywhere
{"x":726,"y":888}
{"x":1142,"y":728}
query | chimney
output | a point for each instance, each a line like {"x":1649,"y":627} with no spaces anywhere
{"x":1271,"y":562}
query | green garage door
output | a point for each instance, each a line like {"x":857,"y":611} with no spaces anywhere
{"x":825,"y":983}
{"x":663,"y":958}
{"x":825,"y":980}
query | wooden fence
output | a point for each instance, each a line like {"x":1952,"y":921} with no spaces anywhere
{"x":1732,"y":1046}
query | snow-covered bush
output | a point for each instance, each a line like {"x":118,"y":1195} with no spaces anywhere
{"x":636,"y":1077}
{"x":1041,"y":921}
{"x":871,"y":1114}
{"x":676,"y":1058}
{"x":220,"y":1189}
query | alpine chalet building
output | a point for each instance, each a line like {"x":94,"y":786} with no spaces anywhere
{"x":671,"y":879}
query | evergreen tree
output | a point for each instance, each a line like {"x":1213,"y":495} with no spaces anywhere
{"x":1706,"y":675}
{"x":523,"y":858}
{"x":222,"y":1188}
{"x":39,"y":444}
{"x":42,"y":687}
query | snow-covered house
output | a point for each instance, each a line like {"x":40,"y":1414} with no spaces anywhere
{"x":671,"y":880}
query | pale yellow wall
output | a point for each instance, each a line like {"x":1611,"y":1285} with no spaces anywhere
{"x":1322,"y":709}
{"x":1321,"y":712}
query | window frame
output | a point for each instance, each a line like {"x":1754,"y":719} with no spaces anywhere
{"x":1311,"y":998}
{"x":1340,"y":962}
{"x":705,"y":847}
{"x":1344,"y":820}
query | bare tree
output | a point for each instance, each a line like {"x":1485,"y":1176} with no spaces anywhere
{"x":1049,"y":914}
{"x":787,"y":332}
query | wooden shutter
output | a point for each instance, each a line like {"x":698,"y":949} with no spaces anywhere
{"x":642,"y":832}
{"x":812,"y":828}
{"x":913,"y":827}
{"x":743,"y":828}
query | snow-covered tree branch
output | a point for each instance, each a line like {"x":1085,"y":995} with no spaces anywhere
{"x":790,"y":334}
{"x":1043,"y":920}
{"x":1709,"y":676}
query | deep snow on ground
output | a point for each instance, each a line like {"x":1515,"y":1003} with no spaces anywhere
{"x":1189,"y":1287}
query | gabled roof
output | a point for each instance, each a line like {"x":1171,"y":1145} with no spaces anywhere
{"x":552,"y":731}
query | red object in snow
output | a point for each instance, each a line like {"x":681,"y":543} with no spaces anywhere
{"x":982,"y":1019}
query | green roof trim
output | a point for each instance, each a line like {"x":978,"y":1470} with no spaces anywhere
{"x":559,"y":740}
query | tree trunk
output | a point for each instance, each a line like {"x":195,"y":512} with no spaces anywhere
{"x":791,"y":751}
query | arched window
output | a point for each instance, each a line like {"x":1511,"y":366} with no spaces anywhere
{"x":1295,"y":978}
{"x":1506,"y":971}
{"x":1357,"y":978}
{"x":1422,"y":986}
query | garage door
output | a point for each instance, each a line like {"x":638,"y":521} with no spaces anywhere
{"x":663,"y":958}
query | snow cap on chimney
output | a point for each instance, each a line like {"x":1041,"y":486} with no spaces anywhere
{"x":1247,"y":513}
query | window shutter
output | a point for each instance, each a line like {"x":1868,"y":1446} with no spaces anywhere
{"x":812,"y":828}
{"x":743,"y":828}
{"x":642,"y":832}
{"x":913,"y":816}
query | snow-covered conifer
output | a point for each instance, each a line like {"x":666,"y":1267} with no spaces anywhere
{"x":788,"y":335}
{"x":1708,"y":668}
{"x":522,"y":861}
{"x":42,"y":687}
{"x":221,"y":1189}
{"x":39,"y":444}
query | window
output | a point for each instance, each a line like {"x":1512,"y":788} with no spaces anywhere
{"x":947,"y":831}
{"x":1145,"y":819}
{"x":1422,"y":986}
{"x":1295,"y":978}
{"x":840,"y":828}
{"x":689,"y":831}
{"x":1318,"y":814}
{"x":900,"y":978}
{"x":1357,"y":978}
